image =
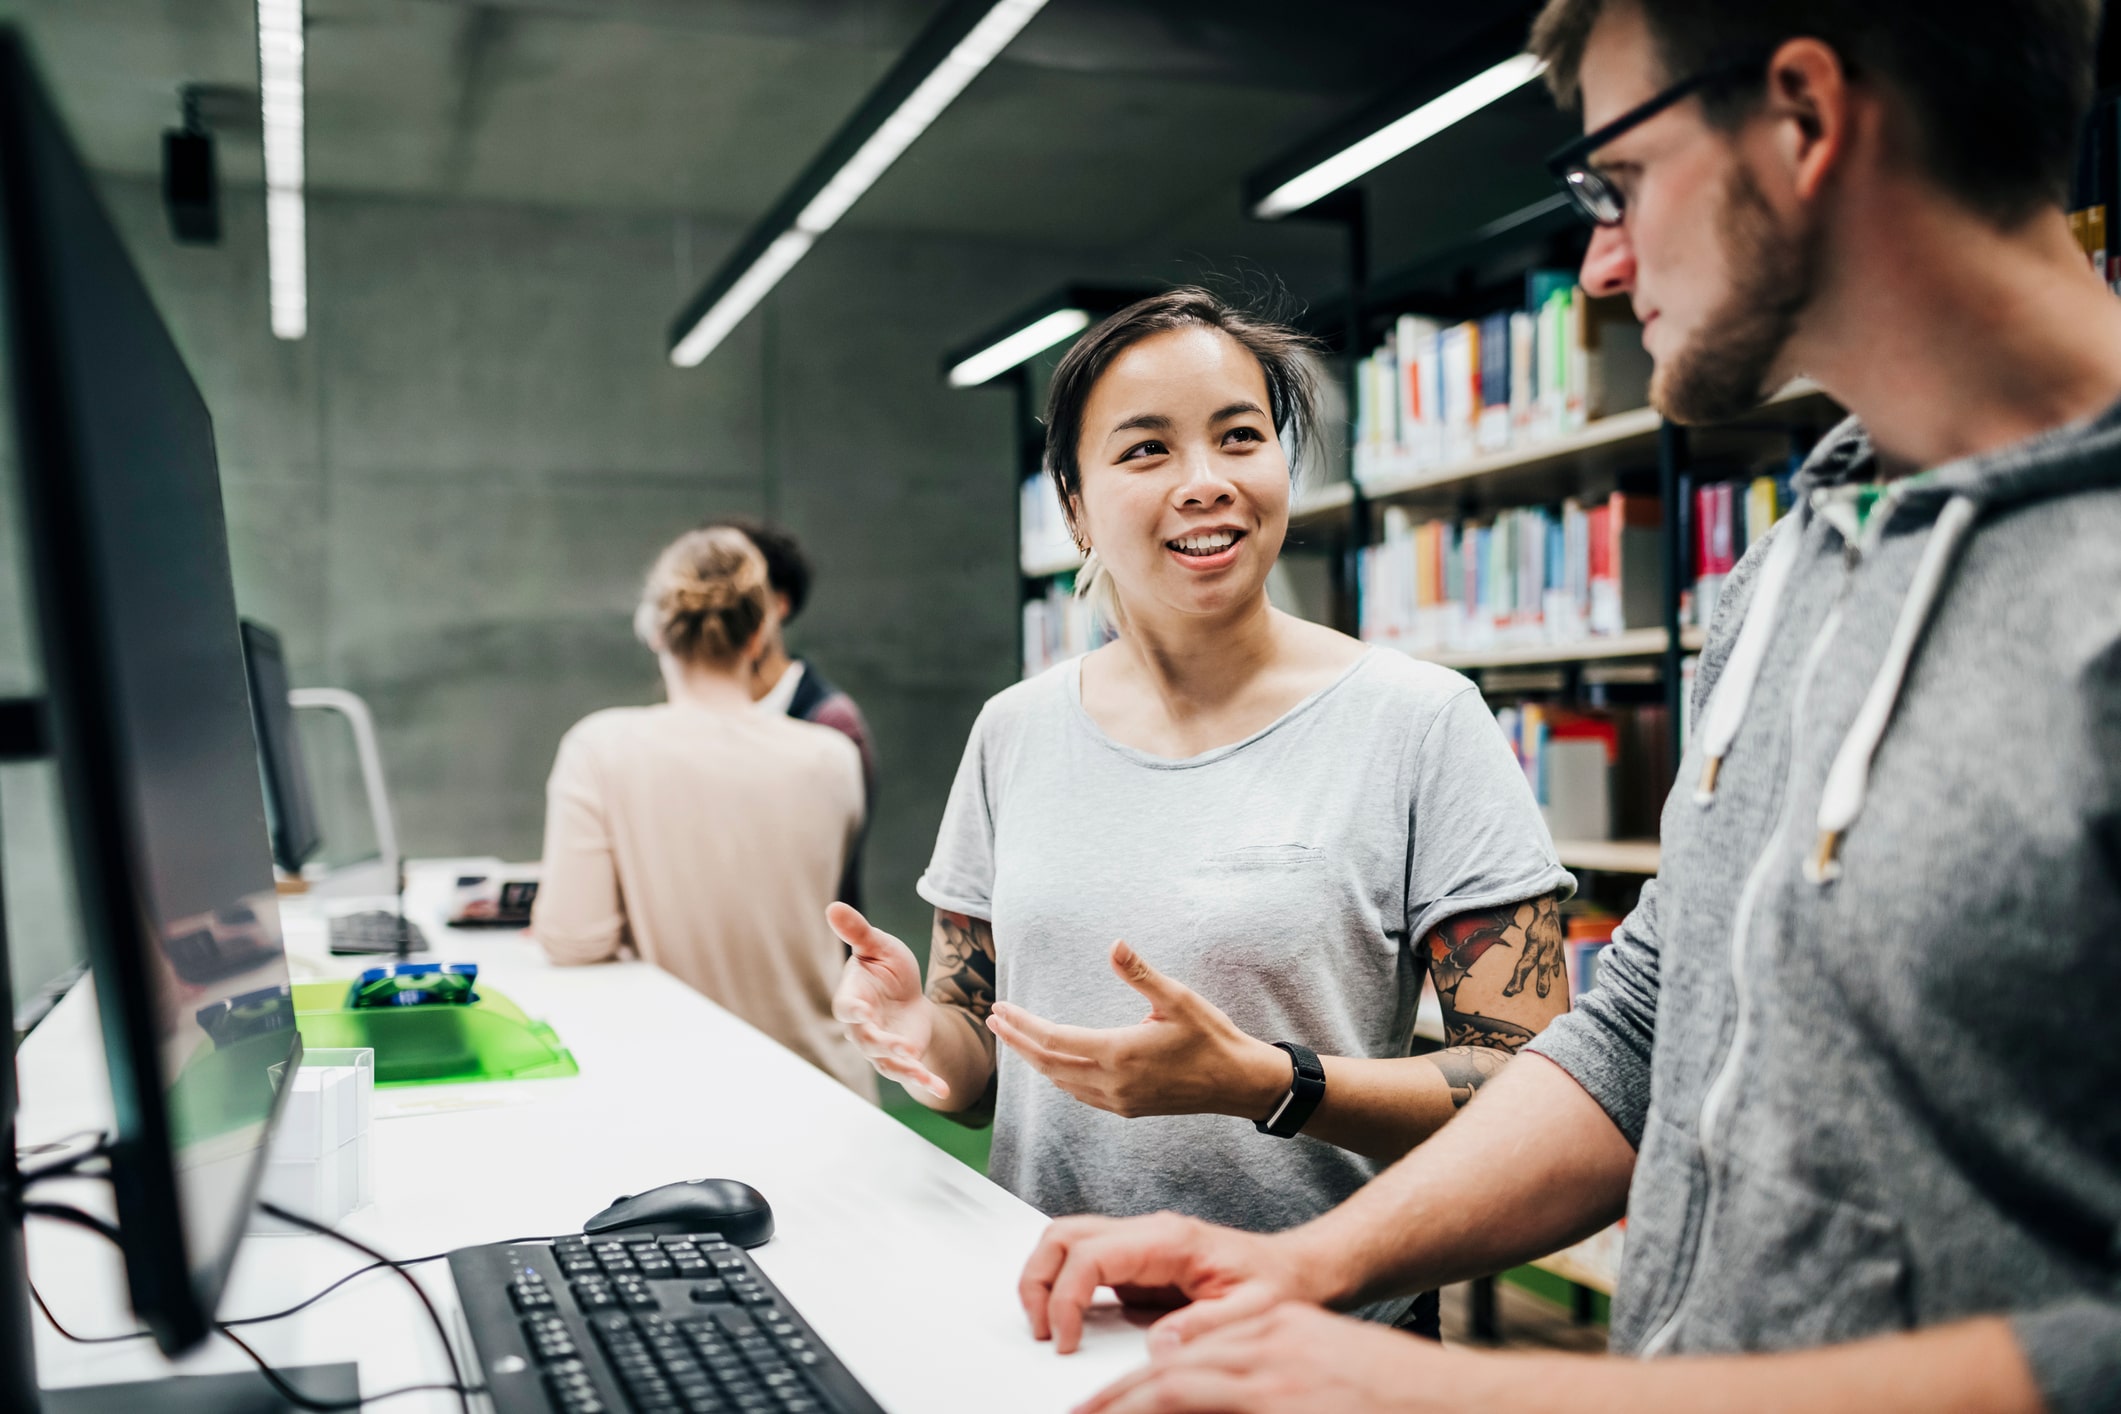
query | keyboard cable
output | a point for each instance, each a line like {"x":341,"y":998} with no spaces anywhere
{"x":110,"y":1233}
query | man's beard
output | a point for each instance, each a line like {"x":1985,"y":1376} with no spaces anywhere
{"x":1723,"y":371}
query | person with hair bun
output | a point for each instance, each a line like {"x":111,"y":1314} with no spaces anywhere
{"x":701,"y":834}
{"x":1288,"y":831}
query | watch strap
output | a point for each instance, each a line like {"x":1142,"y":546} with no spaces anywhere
{"x":1307,"y":1087}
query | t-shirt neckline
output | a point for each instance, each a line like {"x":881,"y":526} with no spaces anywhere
{"x":1082,"y":716}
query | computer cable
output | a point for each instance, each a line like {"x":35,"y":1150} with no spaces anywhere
{"x":456,"y":1371}
{"x":457,"y":1386}
{"x":272,"y":1376}
{"x":59,"y":1168}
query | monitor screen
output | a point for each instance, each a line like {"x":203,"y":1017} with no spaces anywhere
{"x":151,"y":723}
{"x":288,"y":813}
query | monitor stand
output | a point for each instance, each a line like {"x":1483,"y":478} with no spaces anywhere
{"x":23,"y":738}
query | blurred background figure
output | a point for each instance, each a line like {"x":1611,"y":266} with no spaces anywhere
{"x":793,"y":686}
{"x":703,"y":834}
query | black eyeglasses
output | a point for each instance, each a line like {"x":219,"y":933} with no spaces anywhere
{"x":1595,"y":195}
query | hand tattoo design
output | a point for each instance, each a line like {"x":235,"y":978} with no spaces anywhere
{"x":1540,"y":962}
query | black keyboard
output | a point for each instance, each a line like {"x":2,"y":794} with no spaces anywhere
{"x":659,"y":1325}
{"x":377,"y":932}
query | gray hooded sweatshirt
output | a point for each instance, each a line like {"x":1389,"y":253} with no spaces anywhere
{"x":1864,"y":1029}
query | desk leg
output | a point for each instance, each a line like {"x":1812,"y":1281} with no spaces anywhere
{"x":1480,"y":1315}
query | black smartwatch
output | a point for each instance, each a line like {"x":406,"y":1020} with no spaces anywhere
{"x":1305,"y":1091}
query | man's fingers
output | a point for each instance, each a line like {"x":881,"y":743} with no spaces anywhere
{"x":1189,"y":1323}
{"x":1163,"y":1389}
{"x":1142,"y":1252}
{"x":1044,"y":1264}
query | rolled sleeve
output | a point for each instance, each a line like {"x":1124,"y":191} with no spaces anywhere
{"x":1475,"y":839}
{"x":1605,"y":1042}
{"x":2074,"y":1348}
{"x":960,"y":874}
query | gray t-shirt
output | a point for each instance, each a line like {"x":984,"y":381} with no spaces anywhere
{"x":1285,"y":878}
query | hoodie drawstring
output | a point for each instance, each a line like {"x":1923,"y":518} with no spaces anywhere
{"x":1848,"y":779}
{"x":1727,"y":704}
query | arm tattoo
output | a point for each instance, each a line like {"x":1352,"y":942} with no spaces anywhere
{"x":961,"y":970}
{"x":1466,"y":1068}
{"x":961,"y":977}
{"x":1532,"y":930}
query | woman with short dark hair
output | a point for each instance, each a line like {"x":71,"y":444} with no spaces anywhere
{"x":1286,"y":828}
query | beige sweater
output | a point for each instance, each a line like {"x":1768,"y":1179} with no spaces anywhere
{"x":709,"y":842}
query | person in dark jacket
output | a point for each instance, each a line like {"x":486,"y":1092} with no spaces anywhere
{"x":783,"y":683}
{"x":1849,"y":1067}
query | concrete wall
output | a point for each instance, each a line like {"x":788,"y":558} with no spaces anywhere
{"x":444,"y":497}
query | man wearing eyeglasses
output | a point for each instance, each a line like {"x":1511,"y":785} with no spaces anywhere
{"x":1851,"y":1068}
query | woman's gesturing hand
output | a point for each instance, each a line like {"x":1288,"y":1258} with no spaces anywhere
{"x":1185,"y":1057}
{"x":880,"y":1002}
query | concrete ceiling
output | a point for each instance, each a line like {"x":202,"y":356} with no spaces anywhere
{"x":1104,"y":123}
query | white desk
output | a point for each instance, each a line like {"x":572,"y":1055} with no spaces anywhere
{"x":903,"y":1260}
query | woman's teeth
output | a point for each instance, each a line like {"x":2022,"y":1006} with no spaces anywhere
{"x":1213,"y":544}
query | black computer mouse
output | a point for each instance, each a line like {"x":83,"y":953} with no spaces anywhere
{"x":718,"y":1206}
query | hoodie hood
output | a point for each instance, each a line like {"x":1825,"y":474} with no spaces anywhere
{"x":2072,"y":457}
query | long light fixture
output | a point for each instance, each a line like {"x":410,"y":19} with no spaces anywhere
{"x":1395,"y":137}
{"x":1011,"y":349}
{"x":280,"y":94}
{"x":1061,"y":315}
{"x":960,"y":42}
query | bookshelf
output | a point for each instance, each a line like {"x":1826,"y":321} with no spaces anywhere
{"x":1322,"y":505}
{"x":1605,"y":445}
{"x":1635,"y":643}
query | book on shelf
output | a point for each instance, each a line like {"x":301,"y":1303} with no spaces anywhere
{"x":1526,"y":577}
{"x":1585,"y":936}
{"x":1042,"y":529}
{"x":1596,"y":773}
{"x":1725,"y":519}
{"x":1433,"y":395}
{"x":2093,"y":218}
{"x":1058,"y":626}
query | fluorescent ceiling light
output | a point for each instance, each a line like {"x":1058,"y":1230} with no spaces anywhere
{"x":974,"y":31}
{"x":1006,"y":353}
{"x":1397,"y":136}
{"x":742,"y":297}
{"x":280,"y":95}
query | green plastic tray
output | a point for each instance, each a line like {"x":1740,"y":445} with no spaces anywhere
{"x":490,"y":1039}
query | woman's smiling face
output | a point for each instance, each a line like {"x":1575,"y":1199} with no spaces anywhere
{"x":1185,"y":487}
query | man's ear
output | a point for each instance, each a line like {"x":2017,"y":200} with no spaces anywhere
{"x":783,"y":607}
{"x":1812,"y":108}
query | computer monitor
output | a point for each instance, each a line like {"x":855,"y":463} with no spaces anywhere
{"x":149,"y":720}
{"x":288,"y":812}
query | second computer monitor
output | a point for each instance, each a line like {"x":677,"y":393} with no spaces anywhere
{"x":288,"y":809}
